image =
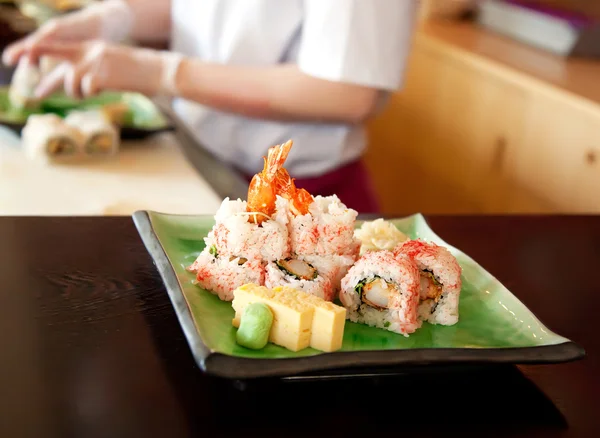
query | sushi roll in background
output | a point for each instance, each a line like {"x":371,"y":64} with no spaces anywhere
{"x":101,"y":137}
{"x":440,"y":280}
{"x":326,"y":230}
{"x":221,"y":274}
{"x":24,"y":81}
{"x":48,"y":139}
{"x":382,"y":290}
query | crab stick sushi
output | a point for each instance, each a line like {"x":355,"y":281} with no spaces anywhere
{"x":327,"y":228}
{"x":319,"y":276}
{"x":439,"y":282}
{"x":234,"y":235}
{"x":382,"y":290}
{"x":221,"y":275}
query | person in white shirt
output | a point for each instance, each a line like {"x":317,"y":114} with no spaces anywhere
{"x":246,"y":74}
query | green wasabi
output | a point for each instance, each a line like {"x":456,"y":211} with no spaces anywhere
{"x":255,"y":326}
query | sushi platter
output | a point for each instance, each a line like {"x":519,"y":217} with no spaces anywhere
{"x":286,"y":284}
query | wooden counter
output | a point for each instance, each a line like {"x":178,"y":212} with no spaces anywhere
{"x":151,"y":174}
{"x":486,"y":124}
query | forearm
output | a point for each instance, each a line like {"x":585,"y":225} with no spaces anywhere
{"x":277,"y":93}
{"x":152,"y":20}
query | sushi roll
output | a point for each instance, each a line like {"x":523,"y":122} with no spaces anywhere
{"x":47,"y":138}
{"x":313,"y":275}
{"x":440,"y":280}
{"x":101,"y":137}
{"x":382,"y":290}
{"x":319,"y":276}
{"x":234,"y":235}
{"x":221,"y":275}
{"x":25,"y":79}
{"x":327,"y":229}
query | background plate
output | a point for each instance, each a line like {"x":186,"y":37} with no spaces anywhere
{"x":144,"y":117}
{"x":494,"y":326}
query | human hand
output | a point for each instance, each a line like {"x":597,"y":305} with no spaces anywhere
{"x":91,"y":67}
{"x":111,"y":20}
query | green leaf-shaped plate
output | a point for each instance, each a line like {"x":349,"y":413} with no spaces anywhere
{"x":494,"y":326}
{"x":143,"y":118}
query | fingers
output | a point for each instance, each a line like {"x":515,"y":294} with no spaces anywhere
{"x":15,"y":51}
{"x":90,"y":85}
{"x":66,"y":51}
{"x":53,"y":81}
{"x":67,"y":72}
{"x":74,"y":78}
{"x":78,"y":72}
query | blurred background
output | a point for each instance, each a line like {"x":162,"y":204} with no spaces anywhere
{"x":500,"y":112}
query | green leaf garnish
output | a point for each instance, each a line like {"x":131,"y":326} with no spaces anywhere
{"x":359,"y":287}
{"x":432,"y":276}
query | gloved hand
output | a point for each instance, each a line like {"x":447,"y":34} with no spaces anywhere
{"x":91,"y":67}
{"x":110,"y":20}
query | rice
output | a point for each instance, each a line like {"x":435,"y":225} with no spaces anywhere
{"x":322,"y":286}
{"x":401,"y":313}
{"x":327,"y":229}
{"x":444,"y":266}
{"x":330,"y":271}
{"x":384,"y":319}
{"x":234,"y":235}
{"x":221,"y":276}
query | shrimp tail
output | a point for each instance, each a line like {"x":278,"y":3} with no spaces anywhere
{"x":276,"y":157}
{"x":301,"y":202}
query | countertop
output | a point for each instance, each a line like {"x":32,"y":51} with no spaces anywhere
{"x":91,"y":346}
{"x":150,"y":174}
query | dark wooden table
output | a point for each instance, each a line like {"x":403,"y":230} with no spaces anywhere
{"x":91,"y":347}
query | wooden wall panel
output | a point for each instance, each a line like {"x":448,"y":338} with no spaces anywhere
{"x":467,"y":135}
{"x":448,"y":134}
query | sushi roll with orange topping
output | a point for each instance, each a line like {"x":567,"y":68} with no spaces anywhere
{"x":382,"y":290}
{"x":235,"y":235}
{"x":237,"y":250}
{"x":326,"y":229}
{"x":319,"y":276}
{"x":221,"y":275}
{"x":439,"y":283}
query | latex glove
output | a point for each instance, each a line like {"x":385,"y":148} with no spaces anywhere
{"x":92,"y":67}
{"x":110,"y":20}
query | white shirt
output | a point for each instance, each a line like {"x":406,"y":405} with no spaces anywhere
{"x":363,"y":42}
